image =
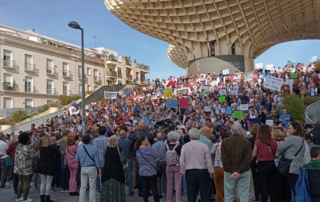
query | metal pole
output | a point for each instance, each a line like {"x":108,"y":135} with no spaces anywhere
{"x":83,"y":86}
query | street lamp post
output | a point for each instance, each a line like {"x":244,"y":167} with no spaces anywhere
{"x":75,"y":25}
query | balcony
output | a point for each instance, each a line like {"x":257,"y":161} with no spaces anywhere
{"x":8,"y":64}
{"x":29,"y":89}
{"x":129,"y":77}
{"x":51,"y":91}
{"x":80,"y":77}
{"x":29,"y":67}
{"x":9,"y":86}
{"x":66,"y":74}
{"x":51,"y":71}
{"x":97,"y":79}
{"x":112,"y":73}
{"x":119,"y":75}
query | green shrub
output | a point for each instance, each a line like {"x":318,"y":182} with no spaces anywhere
{"x":7,"y":121}
{"x":43,"y":108}
{"x":295,"y":107}
{"x":53,"y":104}
{"x":31,"y":115}
{"x":65,"y":99}
{"x":19,"y":116}
{"x":75,"y":97}
{"x":310,"y":99}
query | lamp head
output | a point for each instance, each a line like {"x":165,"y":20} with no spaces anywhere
{"x":74,"y":25}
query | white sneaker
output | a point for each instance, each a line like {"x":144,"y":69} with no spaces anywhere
{"x":19,"y":199}
{"x":28,"y":200}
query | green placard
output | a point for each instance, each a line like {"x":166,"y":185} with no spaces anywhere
{"x":294,"y":75}
{"x":238,"y":114}
{"x":222,"y":98}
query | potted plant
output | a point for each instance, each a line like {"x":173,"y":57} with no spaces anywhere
{"x":53,"y":107}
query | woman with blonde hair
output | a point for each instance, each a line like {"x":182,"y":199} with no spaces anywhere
{"x":112,"y":178}
{"x":47,"y":166}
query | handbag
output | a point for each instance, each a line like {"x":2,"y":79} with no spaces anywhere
{"x":8,"y":161}
{"x":126,"y":164}
{"x":284,"y":163}
{"x":158,"y":171}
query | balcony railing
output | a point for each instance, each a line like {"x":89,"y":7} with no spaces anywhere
{"x":51,"y":91}
{"x":29,"y":89}
{"x":29,"y":67}
{"x":66,"y":73}
{"x":97,"y":79}
{"x":80,"y":77}
{"x":112,"y":73}
{"x":119,"y":75}
{"x":7,"y":86}
{"x":50,"y":71}
{"x":9,"y":64}
{"x":129,"y":77}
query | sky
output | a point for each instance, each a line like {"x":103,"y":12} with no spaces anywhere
{"x":51,"y":18}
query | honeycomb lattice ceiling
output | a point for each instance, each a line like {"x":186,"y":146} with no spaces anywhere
{"x":183,"y":23}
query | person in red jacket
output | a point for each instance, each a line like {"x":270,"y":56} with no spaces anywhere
{"x":315,"y":78}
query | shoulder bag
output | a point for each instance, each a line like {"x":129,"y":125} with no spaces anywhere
{"x":35,"y":162}
{"x":126,"y":164}
{"x":158,"y":171}
{"x":284,"y":163}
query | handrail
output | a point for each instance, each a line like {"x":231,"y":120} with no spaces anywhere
{"x":312,"y":113}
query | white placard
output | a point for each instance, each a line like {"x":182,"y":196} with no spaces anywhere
{"x":86,"y":106}
{"x":223,"y":110}
{"x":269,"y":67}
{"x":244,"y":107}
{"x":269,"y":122}
{"x":222,"y":92}
{"x":206,"y":88}
{"x":273,"y":83}
{"x":234,"y":92}
{"x":226,"y":71}
{"x":110,"y":95}
{"x":259,"y":66}
{"x":207,"y":108}
{"x":236,"y":87}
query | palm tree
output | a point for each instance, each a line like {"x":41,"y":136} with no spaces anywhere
{"x":128,"y":60}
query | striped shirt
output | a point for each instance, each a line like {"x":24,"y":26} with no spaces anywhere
{"x":146,"y":157}
{"x":216,"y":149}
{"x":101,"y":144}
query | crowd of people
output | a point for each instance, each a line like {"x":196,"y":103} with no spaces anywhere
{"x":190,"y":141}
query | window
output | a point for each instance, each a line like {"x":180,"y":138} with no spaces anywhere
{"x":49,"y":66}
{"x":119,"y":70}
{"x":7,"y":102}
{"x":80,"y":89}
{"x":7,"y":58}
{"x":28,"y":59}
{"x":89,"y":88}
{"x":213,"y":50}
{"x":79,"y":71}
{"x":28,"y":84}
{"x":65,"y":69}
{"x":50,"y":87}
{"x":28,"y":103}
{"x":65,"y":88}
{"x":96,"y":88}
{"x":7,"y":79}
{"x":89,"y":71}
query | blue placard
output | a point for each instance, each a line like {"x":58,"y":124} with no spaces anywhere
{"x":172,"y":103}
{"x":249,"y":122}
{"x":228,"y":110}
{"x":161,"y":90}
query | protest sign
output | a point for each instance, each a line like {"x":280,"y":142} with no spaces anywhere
{"x":222,"y":92}
{"x":294,"y":75}
{"x":223,"y":110}
{"x":110,"y":95}
{"x":269,"y":67}
{"x":269,"y":122}
{"x":167,"y":93}
{"x":184,"y":102}
{"x":226,"y":71}
{"x":207,"y":108}
{"x":249,"y":122}
{"x":244,"y":107}
{"x":259,"y":65}
{"x":228,"y":110}
{"x":238,"y":114}
{"x":273,"y":83}
{"x":154,"y":97}
{"x":86,"y":106}
{"x":222,"y":98}
{"x":234,"y":92}
{"x":172,"y":103}
{"x":291,"y":62}
{"x":206,"y":88}
{"x":314,"y":59}
{"x":181,"y":91}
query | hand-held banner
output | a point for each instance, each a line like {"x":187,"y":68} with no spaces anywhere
{"x":249,"y":122}
{"x":184,"y":102}
{"x":172,"y":103}
{"x":110,"y":95}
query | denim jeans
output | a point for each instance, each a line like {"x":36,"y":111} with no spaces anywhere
{"x":184,"y":184}
{"x":3,"y":171}
{"x":98,"y":183}
{"x":65,"y":174}
{"x":129,"y":174}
